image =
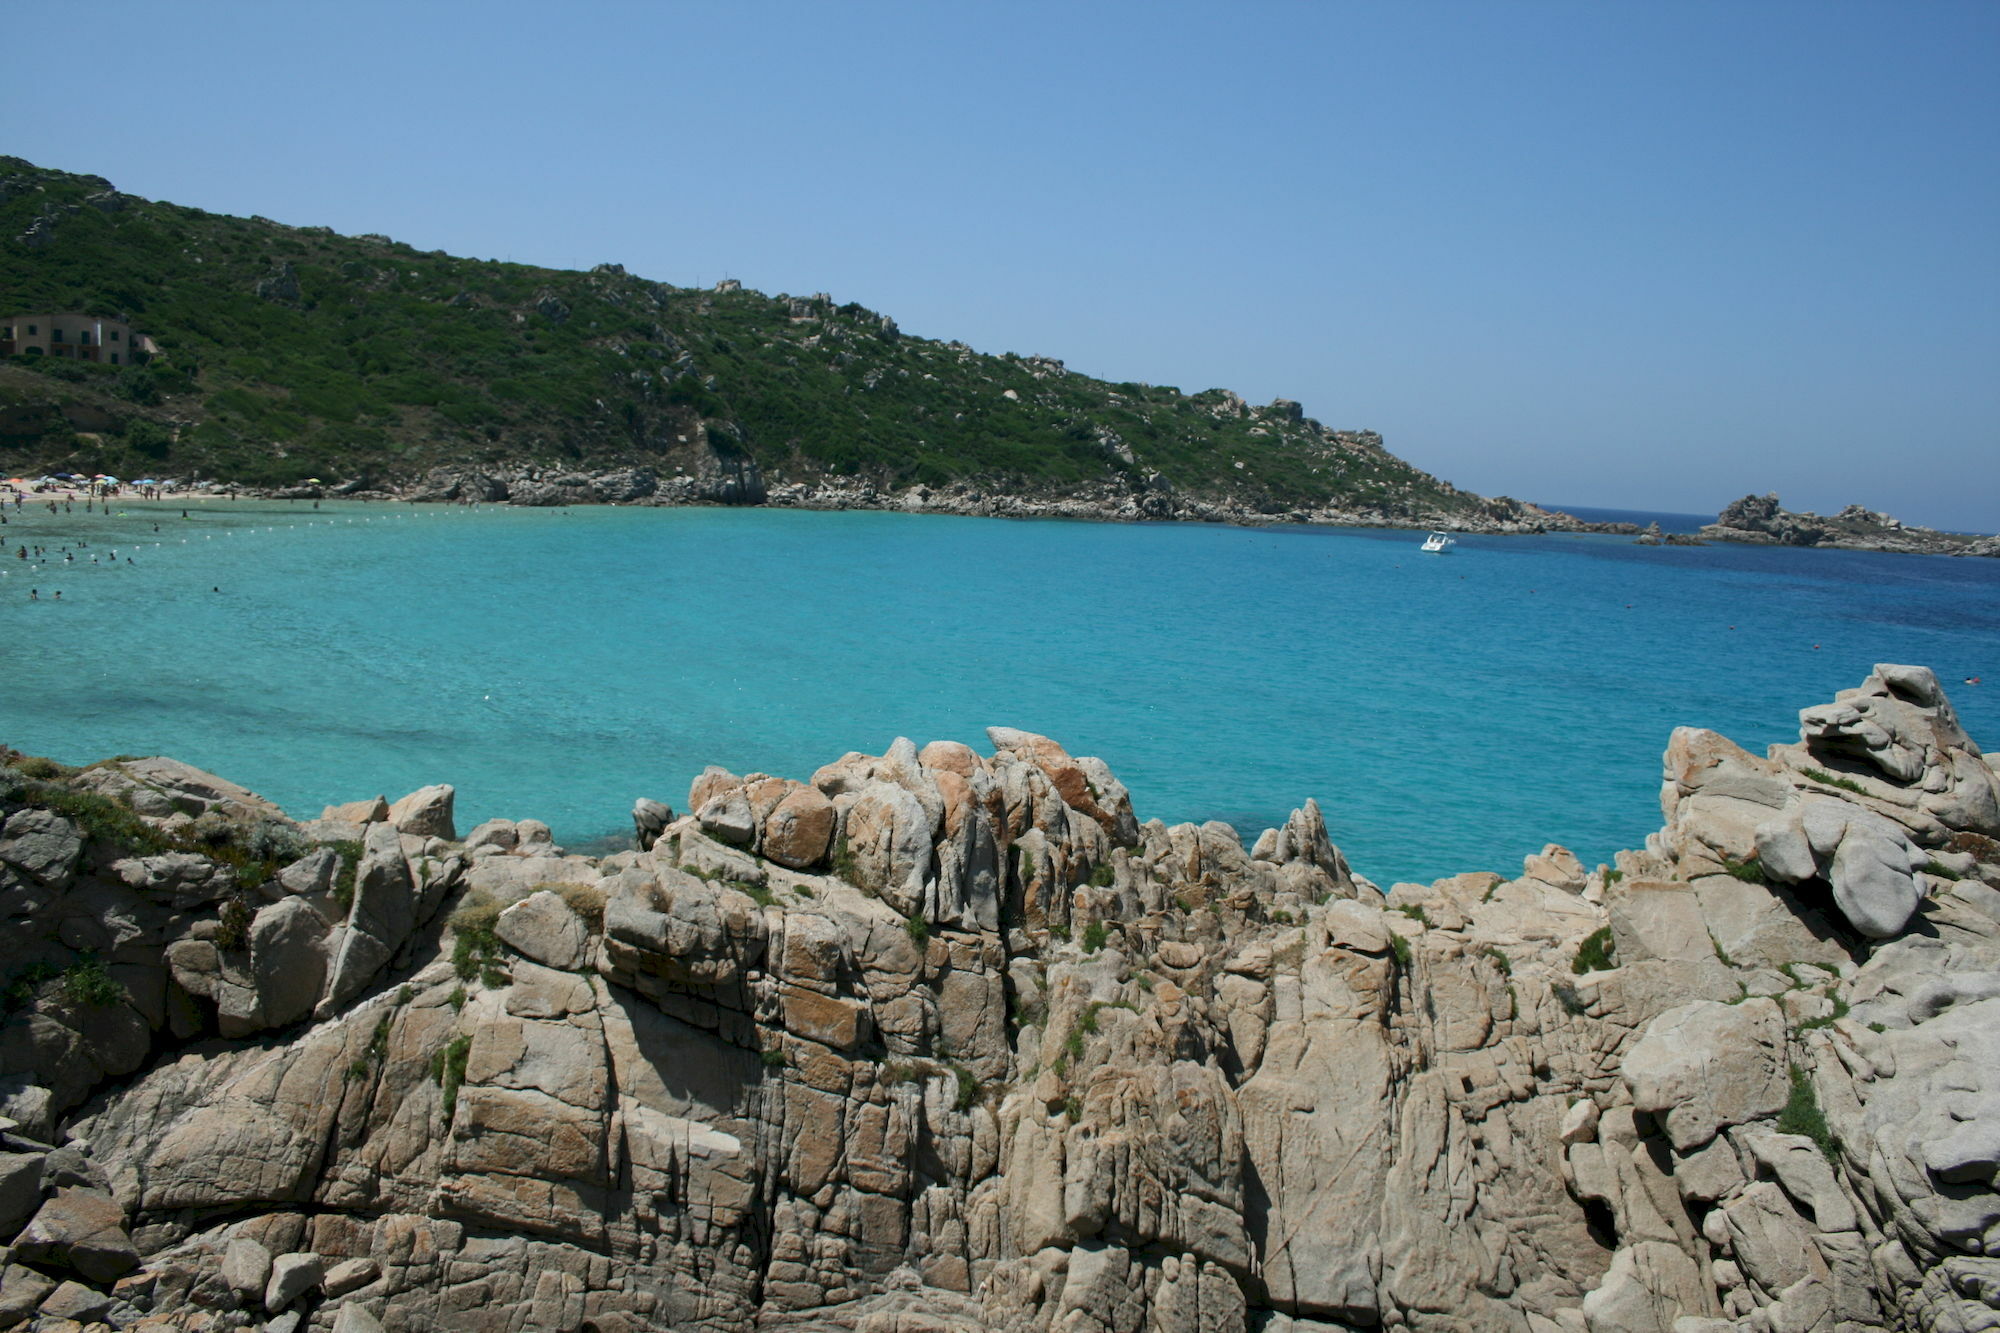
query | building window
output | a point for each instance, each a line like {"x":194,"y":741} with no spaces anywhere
{"x":114,"y":336}
{"x":55,"y":335}
{"x":114,"y":358}
{"x":32,"y":330}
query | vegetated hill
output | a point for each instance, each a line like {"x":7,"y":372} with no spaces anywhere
{"x":293,"y":352}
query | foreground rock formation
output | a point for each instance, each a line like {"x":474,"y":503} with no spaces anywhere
{"x":938,"y":1040}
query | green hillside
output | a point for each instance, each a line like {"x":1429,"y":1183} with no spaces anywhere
{"x":290,"y":352}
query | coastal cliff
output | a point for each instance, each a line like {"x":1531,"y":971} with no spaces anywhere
{"x":942,"y":1040}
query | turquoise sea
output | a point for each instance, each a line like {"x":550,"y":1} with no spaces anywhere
{"x":1451,"y":713}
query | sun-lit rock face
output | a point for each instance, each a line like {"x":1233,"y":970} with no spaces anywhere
{"x":946,"y":1040}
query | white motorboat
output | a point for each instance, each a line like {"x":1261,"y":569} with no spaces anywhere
{"x":1439,"y":543}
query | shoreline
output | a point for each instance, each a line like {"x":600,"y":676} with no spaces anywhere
{"x":1747,"y":522}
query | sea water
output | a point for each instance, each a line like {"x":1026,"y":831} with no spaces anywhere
{"x":1449,"y":712}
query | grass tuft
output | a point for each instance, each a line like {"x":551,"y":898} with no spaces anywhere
{"x":1597,"y":953}
{"x":86,"y":982}
{"x":1826,"y":779}
{"x":1802,"y":1114}
{"x":1748,"y":870}
{"x":448,"y":1071}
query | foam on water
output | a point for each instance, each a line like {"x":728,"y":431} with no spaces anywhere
{"x":1451,"y":713}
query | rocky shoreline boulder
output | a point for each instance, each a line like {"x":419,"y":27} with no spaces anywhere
{"x":939,"y":1039}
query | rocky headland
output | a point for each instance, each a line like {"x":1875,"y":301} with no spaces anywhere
{"x":939,"y":1040}
{"x":1759,"y":519}
{"x":1128,"y":499}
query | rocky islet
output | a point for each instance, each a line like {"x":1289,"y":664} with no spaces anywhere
{"x":937,"y":1040}
{"x":1761,"y":520}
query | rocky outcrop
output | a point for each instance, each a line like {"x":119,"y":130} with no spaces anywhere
{"x":1760,"y":520}
{"x":718,"y":476}
{"x":947,"y":1040}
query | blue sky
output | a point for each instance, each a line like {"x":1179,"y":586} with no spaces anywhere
{"x":1618,"y":254}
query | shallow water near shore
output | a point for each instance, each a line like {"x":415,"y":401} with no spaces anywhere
{"x":1450,"y":713}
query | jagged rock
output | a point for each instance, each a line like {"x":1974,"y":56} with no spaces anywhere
{"x":76,"y":1302}
{"x":1706,"y":1066}
{"x":384,"y":913}
{"x":1650,"y":1285}
{"x":349,"y":1275}
{"x":292,"y":1276}
{"x":370,"y":811}
{"x":425,"y":812}
{"x":287,"y":962}
{"x":799,"y":830}
{"x":543,"y":927}
{"x":314,"y":873}
{"x":888,"y":834}
{"x":355,"y":1319}
{"x":728,"y":817}
{"x":20,"y":1190}
{"x":22,"y":1290}
{"x":28,"y":1104}
{"x":1899,"y":725}
{"x":42,"y":844}
{"x":246,"y":1267}
{"x":161,"y":787}
{"x":495,"y":835}
{"x":649,"y":821}
{"x":82,"y":1230}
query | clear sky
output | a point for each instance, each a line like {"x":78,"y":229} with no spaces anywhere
{"x":1621,"y":254}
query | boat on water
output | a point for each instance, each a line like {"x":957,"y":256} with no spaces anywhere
{"x":1439,"y":543}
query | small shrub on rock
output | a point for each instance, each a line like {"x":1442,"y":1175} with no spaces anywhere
{"x":1597,"y":953}
{"x":476,"y":950}
{"x":448,"y":1071}
{"x":233,"y":932}
{"x":1746,"y":870}
{"x":968,"y":1088}
{"x":39,"y":767}
{"x":1802,"y":1114}
{"x":86,"y":982}
{"x":586,"y":900}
